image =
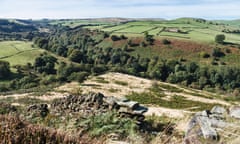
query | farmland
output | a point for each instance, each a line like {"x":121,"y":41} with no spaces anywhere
{"x":18,"y":52}
{"x":189,"y":29}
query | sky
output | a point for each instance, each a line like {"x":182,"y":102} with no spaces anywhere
{"x":167,"y":9}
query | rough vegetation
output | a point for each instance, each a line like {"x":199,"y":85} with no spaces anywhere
{"x":196,"y":54}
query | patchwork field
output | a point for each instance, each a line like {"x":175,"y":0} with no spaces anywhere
{"x":189,"y":29}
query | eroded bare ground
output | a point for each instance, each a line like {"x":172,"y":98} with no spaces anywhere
{"x":116,"y":84}
{"x":119,"y":85}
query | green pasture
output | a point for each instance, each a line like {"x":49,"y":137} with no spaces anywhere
{"x":18,"y":52}
{"x":75,"y":23}
{"x":196,"y":31}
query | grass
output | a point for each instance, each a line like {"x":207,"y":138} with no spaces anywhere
{"x":18,"y":52}
{"x":106,"y":123}
{"x":156,"y":96}
{"x":75,"y":23}
{"x":175,"y":102}
{"x":101,"y":80}
{"x":136,"y":29}
{"x":203,"y":32}
{"x":112,"y":90}
{"x":170,"y":88}
{"x":23,"y":100}
{"x":121,"y":83}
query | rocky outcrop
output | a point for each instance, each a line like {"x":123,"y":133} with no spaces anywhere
{"x":95,"y":103}
{"x":209,"y":125}
{"x":39,"y":110}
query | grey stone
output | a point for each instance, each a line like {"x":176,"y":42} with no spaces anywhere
{"x":207,"y":131}
{"x":234,"y":112}
{"x":218,"y":110}
{"x":95,"y":103}
{"x":130,"y":104}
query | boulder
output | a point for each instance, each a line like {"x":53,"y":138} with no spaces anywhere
{"x":218,"y":110}
{"x":234,"y":112}
{"x":209,"y":126}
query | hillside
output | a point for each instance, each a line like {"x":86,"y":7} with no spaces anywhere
{"x":167,"y":104}
{"x":182,"y":28}
{"x":117,"y":80}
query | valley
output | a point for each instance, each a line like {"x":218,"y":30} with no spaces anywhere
{"x":120,"y":80}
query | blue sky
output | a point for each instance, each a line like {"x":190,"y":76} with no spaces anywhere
{"x":168,"y":9}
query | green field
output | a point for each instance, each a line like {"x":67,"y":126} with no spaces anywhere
{"x":75,"y":23}
{"x":190,"y":29}
{"x":18,"y":52}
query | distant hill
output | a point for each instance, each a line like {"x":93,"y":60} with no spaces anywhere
{"x":9,"y":26}
{"x":235,"y":23}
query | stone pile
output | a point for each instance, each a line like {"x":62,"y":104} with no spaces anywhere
{"x":95,"y":103}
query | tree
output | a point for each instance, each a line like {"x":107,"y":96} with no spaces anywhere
{"x":76,"y":56}
{"x":4,"y":69}
{"x":217,"y":52}
{"x":45,"y":63}
{"x":149,"y":38}
{"x":166,"y":41}
{"x":220,"y":38}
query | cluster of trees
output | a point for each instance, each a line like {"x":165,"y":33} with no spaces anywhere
{"x":79,"y":46}
{"x":4,"y":69}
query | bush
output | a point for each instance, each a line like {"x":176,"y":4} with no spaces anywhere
{"x":204,"y":55}
{"x":4,"y":69}
{"x":217,"y":52}
{"x":115,"y":38}
{"x":220,"y":38}
{"x":107,"y":123}
{"x":49,"y":79}
{"x":166,"y":42}
{"x":78,"y":76}
{"x":123,"y":37}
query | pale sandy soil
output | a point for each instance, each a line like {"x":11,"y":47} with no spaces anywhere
{"x":161,"y":111}
{"x":134,"y":84}
{"x":46,"y":97}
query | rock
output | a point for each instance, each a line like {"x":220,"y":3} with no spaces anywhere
{"x":218,"y":110}
{"x":209,"y":126}
{"x":95,"y":103}
{"x":207,"y":130}
{"x":140,"y":110}
{"x":235,"y":112}
{"x":129,"y":104}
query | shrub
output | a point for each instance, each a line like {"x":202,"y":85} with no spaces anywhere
{"x":204,"y":55}
{"x":220,"y":38}
{"x":106,"y":123}
{"x":217,"y":52}
{"x":166,"y":42}
{"x":115,"y":38}
{"x":4,"y":69}
{"x":78,"y":76}
{"x":123,"y":37}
